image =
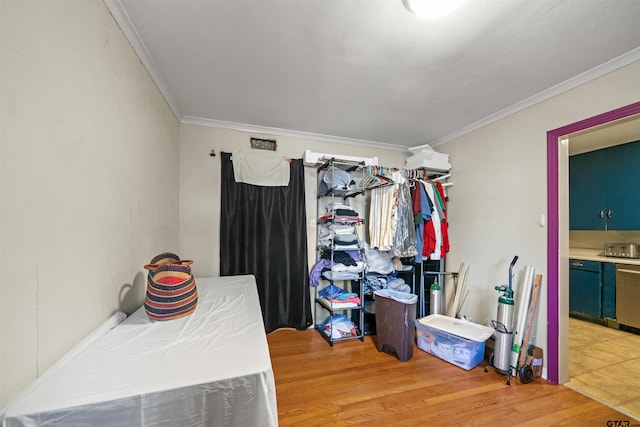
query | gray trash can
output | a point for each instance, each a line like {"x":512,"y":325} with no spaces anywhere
{"x":395,"y":322}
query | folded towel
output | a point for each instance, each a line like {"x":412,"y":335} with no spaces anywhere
{"x":260,"y":167}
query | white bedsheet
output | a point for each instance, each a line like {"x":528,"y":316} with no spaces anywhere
{"x":211,"y":368}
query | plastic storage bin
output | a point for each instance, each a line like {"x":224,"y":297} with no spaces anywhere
{"x":459,"y":342}
{"x":395,"y":322}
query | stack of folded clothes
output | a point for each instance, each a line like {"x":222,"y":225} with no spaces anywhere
{"x":336,"y":297}
{"x":339,"y":236}
{"x":341,"y":213}
{"x":346,"y":265}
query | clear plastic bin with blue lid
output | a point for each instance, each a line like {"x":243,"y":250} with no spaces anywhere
{"x":456,"y":341}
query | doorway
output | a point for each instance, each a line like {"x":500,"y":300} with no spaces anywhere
{"x":557,"y":243}
{"x":603,"y":362}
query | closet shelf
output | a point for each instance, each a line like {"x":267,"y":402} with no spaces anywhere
{"x":335,"y":249}
{"x":344,"y":194}
{"x":357,"y":334}
{"x":344,"y":221}
{"x":344,"y":206}
{"x":332,"y":307}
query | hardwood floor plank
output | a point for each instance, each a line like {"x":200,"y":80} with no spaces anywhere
{"x":352,"y":383}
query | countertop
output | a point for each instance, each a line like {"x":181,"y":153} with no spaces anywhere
{"x":598,"y":255}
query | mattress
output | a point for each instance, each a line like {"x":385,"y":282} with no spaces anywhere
{"x":211,"y":368}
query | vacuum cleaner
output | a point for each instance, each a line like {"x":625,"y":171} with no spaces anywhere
{"x":500,"y":359}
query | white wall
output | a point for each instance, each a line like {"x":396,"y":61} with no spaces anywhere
{"x":500,"y":192}
{"x":200,"y":185}
{"x":89,"y":180}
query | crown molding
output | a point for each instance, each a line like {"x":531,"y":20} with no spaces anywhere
{"x":291,"y":133}
{"x":587,"y":76}
{"x":121,"y":16}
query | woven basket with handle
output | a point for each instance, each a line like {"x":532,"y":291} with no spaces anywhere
{"x":171,"y":292}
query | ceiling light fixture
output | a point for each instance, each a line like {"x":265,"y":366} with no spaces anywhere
{"x":432,"y":9}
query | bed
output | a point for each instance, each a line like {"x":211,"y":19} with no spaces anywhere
{"x":211,"y":368}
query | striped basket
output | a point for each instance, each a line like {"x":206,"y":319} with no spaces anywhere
{"x":171,"y":292}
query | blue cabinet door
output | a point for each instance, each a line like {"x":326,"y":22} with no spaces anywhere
{"x":585,"y":287}
{"x":623,"y":186}
{"x":587,"y":191}
{"x":609,"y":290}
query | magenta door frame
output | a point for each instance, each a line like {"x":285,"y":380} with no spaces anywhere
{"x":553,"y":229}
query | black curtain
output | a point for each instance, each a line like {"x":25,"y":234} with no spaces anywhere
{"x":263,"y":231}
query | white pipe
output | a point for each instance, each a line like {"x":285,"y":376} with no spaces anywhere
{"x":523,"y":298}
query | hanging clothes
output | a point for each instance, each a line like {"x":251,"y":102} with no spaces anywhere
{"x":381,"y":217}
{"x":435,"y":230}
{"x":416,"y":201}
{"x":391,"y":218}
{"x":404,"y":245}
{"x":432,"y":236}
{"x":424,"y":221}
{"x":444,"y":225}
{"x":408,"y":217}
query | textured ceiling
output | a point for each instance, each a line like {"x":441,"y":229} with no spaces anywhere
{"x":368,"y":69}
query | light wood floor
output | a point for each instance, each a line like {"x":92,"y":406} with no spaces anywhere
{"x":353,"y":384}
{"x":604,"y":363}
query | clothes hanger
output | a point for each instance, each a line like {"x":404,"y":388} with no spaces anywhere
{"x":383,"y":181}
{"x":369,"y":179}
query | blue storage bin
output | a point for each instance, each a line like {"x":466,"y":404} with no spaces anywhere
{"x":456,"y":341}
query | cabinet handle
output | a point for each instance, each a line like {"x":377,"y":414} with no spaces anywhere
{"x":609,"y":213}
{"x":577,"y":264}
{"x":601,"y":214}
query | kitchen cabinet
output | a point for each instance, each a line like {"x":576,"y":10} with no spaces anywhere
{"x":623,"y":187}
{"x":604,"y":189}
{"x":587,"y":191}
{"x":608,"y":290}
{"x":592,"y":288}
{"x":585,"y":287}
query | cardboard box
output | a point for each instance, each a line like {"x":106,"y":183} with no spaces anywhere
{"x":534,"y":359}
